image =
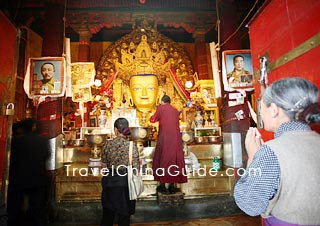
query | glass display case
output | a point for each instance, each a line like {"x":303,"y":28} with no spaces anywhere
{"x":211,"y":135}
{"x":207,"y":131}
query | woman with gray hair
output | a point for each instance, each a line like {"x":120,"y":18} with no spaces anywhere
{"x":282,"y":178}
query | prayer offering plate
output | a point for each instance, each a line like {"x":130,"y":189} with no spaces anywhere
{"x":187,"y":136}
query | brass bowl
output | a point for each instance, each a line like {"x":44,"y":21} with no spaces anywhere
{"x":214,"y":139}
{"x":140,"y":133}
{"x":201,"y":140}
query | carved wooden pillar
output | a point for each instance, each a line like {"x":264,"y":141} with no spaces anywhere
{"x":84,"y":56}
{"x":201,"y":54}
{"x":84,"y":44}
{"x":229,"y":23}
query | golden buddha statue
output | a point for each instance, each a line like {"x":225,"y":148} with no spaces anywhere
{"x":141,"y":70}
{"x":144,"y":91}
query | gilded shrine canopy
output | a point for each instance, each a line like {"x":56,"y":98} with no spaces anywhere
{"x":145,"y":51}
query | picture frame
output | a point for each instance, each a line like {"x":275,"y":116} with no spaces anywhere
{"x":207,"y":91}
{"x":93,"y":121}
{"x":81,"y":93}
{"x":68,"y":125}
{"x":82,"y":73}
{"x":237,"y":70}
{"x":188,"y":115}
{"x":47,"y":76}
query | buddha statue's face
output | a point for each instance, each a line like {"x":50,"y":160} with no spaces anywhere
{"x":144,"y":91}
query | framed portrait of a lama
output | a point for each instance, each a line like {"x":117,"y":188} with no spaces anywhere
{"x":45,"y":77}
{"x":237,"y":71}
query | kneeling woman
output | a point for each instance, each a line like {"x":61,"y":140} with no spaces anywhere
{"x":115,"y":193}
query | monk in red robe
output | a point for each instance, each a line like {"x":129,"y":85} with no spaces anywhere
{"x":168,"y":162}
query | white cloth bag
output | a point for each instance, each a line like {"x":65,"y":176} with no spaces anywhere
{"x":135,"y":182}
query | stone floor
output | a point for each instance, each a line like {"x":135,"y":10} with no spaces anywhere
{"x":200,"y":211}
{"x":238,"y":220}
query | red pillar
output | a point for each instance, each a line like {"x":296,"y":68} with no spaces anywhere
{"x":84,"y":44}
{"x":229,"y":24}
{"x":201,"y":54}
{"x":49,"y":113}
{"x":84,"y":56}
{"x":53,"y":29}
{"x":84,"y":51}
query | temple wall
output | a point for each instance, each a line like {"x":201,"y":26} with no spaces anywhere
{"x":7,"y":84}
{"x":287,"y":33}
